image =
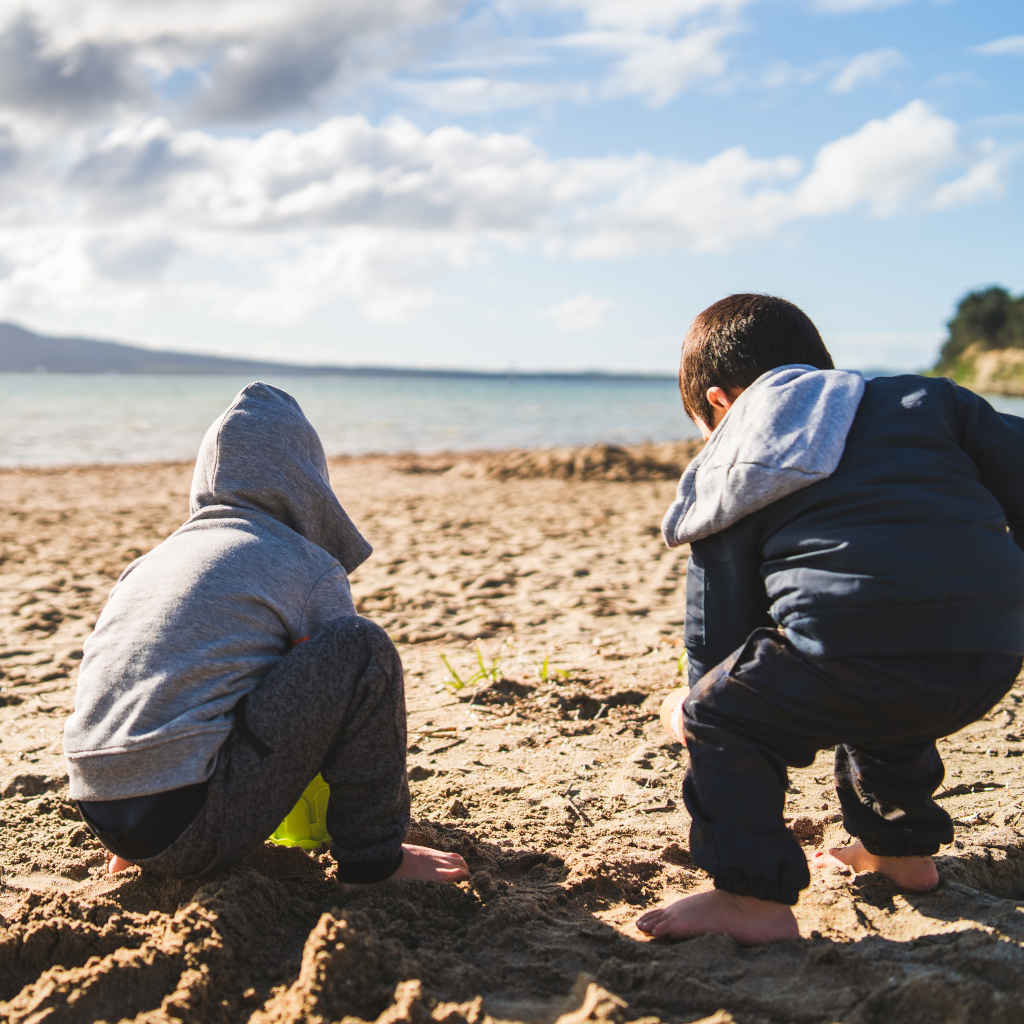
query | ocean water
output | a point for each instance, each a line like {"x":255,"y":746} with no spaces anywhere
{"x":49,"y":419}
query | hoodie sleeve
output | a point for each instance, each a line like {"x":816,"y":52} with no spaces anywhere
{"x":330,"y":599}
{"x":995,"y":442}
{"x":725,"y":597}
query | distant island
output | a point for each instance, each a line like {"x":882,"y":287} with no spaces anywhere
{"x":24,"y":351}
{"x":984,"y":349}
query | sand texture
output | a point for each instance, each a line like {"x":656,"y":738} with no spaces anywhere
{"x":550,"y":775}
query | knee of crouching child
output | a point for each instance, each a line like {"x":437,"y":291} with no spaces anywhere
{"x":382,"y":648}
{"x":701,"y":707}
{"x":692,"y":707}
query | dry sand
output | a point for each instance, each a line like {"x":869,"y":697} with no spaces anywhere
{"x":556,"y":784}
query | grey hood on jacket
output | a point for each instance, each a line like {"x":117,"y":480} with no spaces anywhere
{"x":786,"y":431}
{"x":196,"y":623}
{"x":263,"y":454}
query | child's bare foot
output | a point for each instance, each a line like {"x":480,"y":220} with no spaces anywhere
{"x":115,"y":864}
{"x":915,"y":874}
{"x":422,"y":864}
{"x":746,"y":919}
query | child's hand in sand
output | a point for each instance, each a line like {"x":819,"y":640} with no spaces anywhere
{"x":671,"y":713}
{"x":422,"y":864}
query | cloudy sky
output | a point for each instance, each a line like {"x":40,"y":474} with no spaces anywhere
{"x":514,"y":183}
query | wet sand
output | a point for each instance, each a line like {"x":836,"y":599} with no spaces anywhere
{"x":550,"y":774}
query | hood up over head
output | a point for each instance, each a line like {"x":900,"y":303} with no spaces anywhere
{"x":785,"y":432}
{"x":263,"y":454}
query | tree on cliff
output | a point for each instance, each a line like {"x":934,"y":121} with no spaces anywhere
{"x":987,"y":319}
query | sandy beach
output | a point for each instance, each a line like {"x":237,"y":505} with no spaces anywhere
{"x":550,"y":774}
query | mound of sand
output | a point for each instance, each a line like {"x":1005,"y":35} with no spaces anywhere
{"x":590,"y":462}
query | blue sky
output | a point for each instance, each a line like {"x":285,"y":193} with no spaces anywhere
{"x":536,"y":184}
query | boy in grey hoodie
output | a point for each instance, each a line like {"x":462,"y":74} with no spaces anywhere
{"x":229,"y":666}
{"x":856,"y":580}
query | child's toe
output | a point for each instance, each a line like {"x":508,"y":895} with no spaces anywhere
{"x":649,"y":922}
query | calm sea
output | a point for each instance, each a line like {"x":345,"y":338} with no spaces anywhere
{"x":49,"y":419}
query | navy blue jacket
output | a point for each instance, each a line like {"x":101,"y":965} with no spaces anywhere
{"x":912,"y":543}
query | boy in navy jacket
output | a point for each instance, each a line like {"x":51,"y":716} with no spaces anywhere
{"x":856,"y":579}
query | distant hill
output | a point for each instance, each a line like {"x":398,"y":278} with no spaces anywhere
{"x":24,"y":351}
{"x":985,"y":346}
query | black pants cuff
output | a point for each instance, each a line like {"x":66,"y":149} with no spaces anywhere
{"x":759,"y":888}
{"x":363,"y":872}
{"x":904,"y":845}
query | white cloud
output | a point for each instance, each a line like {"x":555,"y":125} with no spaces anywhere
{"x":388,"y":274}
{"x":781,"y":73}
{"x":656,"y":66}
{"x":76,"y":81}
{"x":580,"y":313}
{"x":866,"y":67}
{"x":984,"y":179}
{"x":707,"y":206}
{"x":956,"y":80}
{"x":852,"y":6}
{"x":884,"y":164}
{"x":129,"y":256}
{"x":1012,"y":46}
{"x":478,"y":95}
{"x":642,"y":15}
{"x":345,"y":172}
{"x":253,"y":61}
{"x":195,"y":23}
{"x":279,"y":225}
{"x":246,"y":59}
{"x":491,"y":57}
{"x":130,"y":164}
{"x":9,"y":150}
{"x":655,"y":49}
{"x":147,"y":22}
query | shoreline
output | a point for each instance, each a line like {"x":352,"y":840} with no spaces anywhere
{"x":553,"y":456}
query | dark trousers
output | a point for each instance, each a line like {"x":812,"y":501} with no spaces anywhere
{"x":767,"y":707}
{"x":334,"y":705}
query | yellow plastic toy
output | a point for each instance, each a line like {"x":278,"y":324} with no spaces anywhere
{"x":305,"y":825}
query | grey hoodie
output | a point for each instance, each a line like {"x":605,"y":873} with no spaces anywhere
{"x":785,"y":432}
{"x":193,"y":625}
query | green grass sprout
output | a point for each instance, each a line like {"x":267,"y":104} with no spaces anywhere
{"x":491,"y":671}
{"x":546,"y":671}
{"x":456,"y":682}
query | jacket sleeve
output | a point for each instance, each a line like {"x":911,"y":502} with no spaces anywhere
{"x":725,"y":596}
{"x":330,"y":599}
{"x":995,"y":442}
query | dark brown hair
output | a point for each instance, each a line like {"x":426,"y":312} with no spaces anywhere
{"x":737,"y":339}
